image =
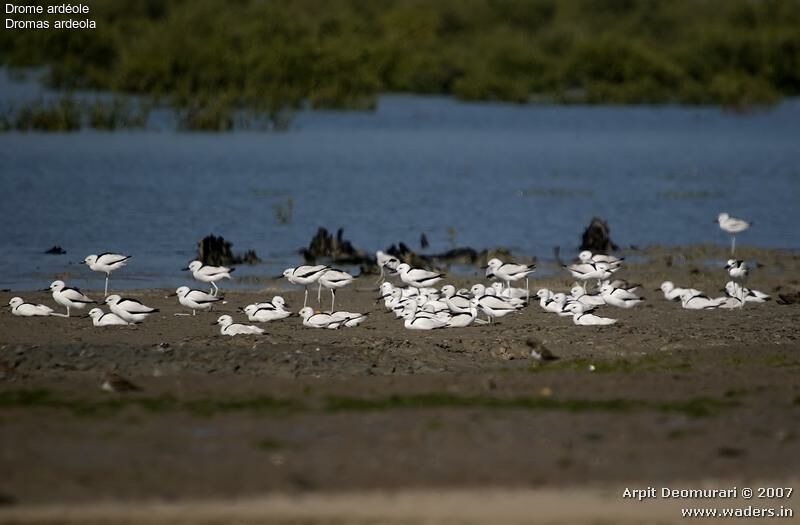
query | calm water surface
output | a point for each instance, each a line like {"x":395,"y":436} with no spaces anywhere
{"x":524,"y":177}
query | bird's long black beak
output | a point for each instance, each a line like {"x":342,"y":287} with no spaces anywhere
{"x":215,"y":322}
{"x":278,"y":276}
{"x":45,"y":290}
{"x":184,"y":269}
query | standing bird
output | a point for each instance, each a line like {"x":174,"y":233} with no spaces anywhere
{"x":209,"y":274}
{"x":68,"y":297}
{"x":228,"y":327}
{"x":305,"y":275}
{"x":737,"y":268}
{"x":417,"y":277}
{"x":733,"y":226}
{"x":106,"y":263}
{"x":333,"y":279}
{"x":22,"y":309}
{"x":130,"y":310}
{"x":508,"y":272}
{"x":102,"y":319}
{"x":195,"y":299}
{"x":385,"y":261}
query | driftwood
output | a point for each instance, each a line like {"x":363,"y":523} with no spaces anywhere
{"x":216,"y":251}
{"x":336,"y":249}
{"x":56,"y":250}
{"x":597,"y":237}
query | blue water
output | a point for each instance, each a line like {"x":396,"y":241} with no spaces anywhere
{"x":481,"y":175}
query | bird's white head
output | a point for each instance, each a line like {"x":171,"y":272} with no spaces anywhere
{"x":94,"y":313}
{"x":585,"y":256}
{"x":494,"y":263}
{"x":195,"y":265}
{"x":278,"y":301}
{"x":448,"y":290}
{"x":543,"y":293}
{"x":402,"y":268}
{"x":15,"y":301}
{"x":182,"y":291}
{"x":224,"y":320}
{"x":113,"y":299}
{"x":577,"y":291}
{"x":90,"y":259}
{"x":250,"y":309}
{"x":667,"y":286}
{"x":306,"y":312}
{"x":477,"y":289}
{"x":288,"y":272}
{"x":722,"y":217}
{"x":57,"y":286}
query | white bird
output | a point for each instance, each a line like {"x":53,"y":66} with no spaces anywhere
{"x":479,"y":290}
{"x":417,"y":277}
{"x":733,"y":226}
{"x":546,"y":301}
{"x":260,"y":314}
{"x":209,"y":274}
{"x":693,"y":301}
{"x":102,"y":319}
{"x":494,"y":307}
{"x":130,"y":310}
{"x":560,"y":303}
{"x":588,"y":319}
{"x":196,"y":299}
{"x":746,"y":295}
{"x":737,"y":268}
{"x":619,"y":297}
{"x":348,"y":319}
{"x":332,"y":280}
{"x":22,"y":309}
{"x":69,"y":297}
{"x":508,"y":272}
{"x":586,"y":271}
{"x":418,"y":322}
{"x":314,"y":320}
{"x":510,"y":292}
{"x":579,"y":294}
{"x":458,"y":304}
{"x":462,"y":319}
{"x":305,"y":275}
{"x":385,"y":262}
{"x":228,"y":327}
{"x":674,"y":293}
{"x":588,"y":257}
{"x":106,"y":263}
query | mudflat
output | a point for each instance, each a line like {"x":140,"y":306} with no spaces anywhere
{"x":665,"y":396}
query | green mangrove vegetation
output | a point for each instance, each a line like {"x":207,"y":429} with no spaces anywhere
{"x":212,"y":59}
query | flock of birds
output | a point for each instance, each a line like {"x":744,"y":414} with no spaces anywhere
{"x":414,"y":299}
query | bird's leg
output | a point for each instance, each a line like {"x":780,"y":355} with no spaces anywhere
{"x":305,"y":297}
{"x":319,"y":293}
{"x":216,"y":288}
{"x":194,"y":312}
{"x":333,"y":299}
{"x":733,"y":244}
{"x":67,"y":311}
{"x":105,"y":292}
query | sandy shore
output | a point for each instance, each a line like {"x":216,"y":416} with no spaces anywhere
{"x":667,"y":395}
